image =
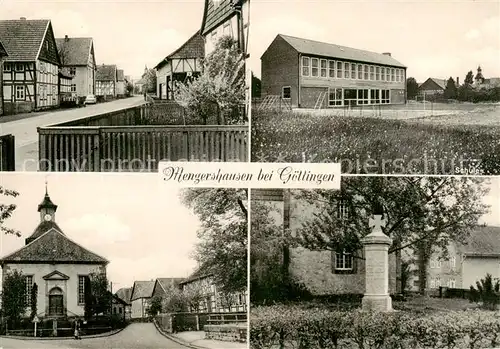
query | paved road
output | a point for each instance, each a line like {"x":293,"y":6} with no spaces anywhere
{"x":135,"y":336}
{"x":25,"y":130}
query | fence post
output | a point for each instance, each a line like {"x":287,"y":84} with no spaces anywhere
{"x":197,"y":322}
{"x":97,"y":151}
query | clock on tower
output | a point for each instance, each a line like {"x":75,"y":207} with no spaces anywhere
{"x":47,"y":208}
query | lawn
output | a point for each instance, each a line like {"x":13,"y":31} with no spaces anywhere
{"x":451,"y":144}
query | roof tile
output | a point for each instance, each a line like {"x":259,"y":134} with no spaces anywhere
{"x":74,"y":51}
{"x":22,"y":38}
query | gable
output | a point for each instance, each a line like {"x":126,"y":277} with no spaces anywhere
{"x":23,"y":38}
{"x":194,"y":47}
{"x":3,"y":51}
{"x":432,"y":84}
{"x":75,"y":51}
{"x":216,"y":12}
{"x":48,"y":49}
{"x":142,"y":289}
{"x":106,"y":73}
{"x":56,"y":275}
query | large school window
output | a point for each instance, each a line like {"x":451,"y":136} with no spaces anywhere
{"x":353,"y":71}
{"x":81,"y":289}
{"x":363,"y":97}
{"x":323,"y":68}
{"x":382,"y":74}
{"x":387,"y":74}
{"x":393,"y":74}
{"x":339,"y":70}
{"x":20,"y":92}
{"x":346,"y":70}
{"x":372,"y":72}
{"x":335,"y":97}
{"x":397,"y":75}
{"x":403,"y":78}
{"x":314,"y":67}
{"x":306,"y":66}
{"x":331,"y":68}
{"x":360,"y":71}
{"x":377,"y":73}
{"x":29,"y":288}
{"x":366,"y":72}
{"x":386,"y":96}
{"x":374,"y":96}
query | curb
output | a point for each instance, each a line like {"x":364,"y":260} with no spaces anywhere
{"x":177,"y":340}
{"x":107,"y":334}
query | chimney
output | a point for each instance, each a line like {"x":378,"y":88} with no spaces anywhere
{"x":458,"y":82}
{"x":66,"y":38}
{"x":22,"y":18}
{"x":387,"y":54}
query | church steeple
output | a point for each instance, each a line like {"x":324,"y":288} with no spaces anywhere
{"x":47,"y":208}
{"x":479,"y":76}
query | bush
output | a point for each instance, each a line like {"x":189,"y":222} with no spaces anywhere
{"x":293,"y":326}
{"x":486,"y":292}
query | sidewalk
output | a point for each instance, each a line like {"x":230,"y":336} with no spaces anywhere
{"x":197,"y":339}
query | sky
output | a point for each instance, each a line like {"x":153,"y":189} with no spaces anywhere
{"x":438,"y":38}
{"x":133,"y":221}
{"x":130,"y":34}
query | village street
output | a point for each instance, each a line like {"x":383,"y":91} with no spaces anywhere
{"x":138,"y":335}
{"x":26,"y":135}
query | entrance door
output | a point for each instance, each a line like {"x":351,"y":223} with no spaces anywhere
{"x":56,"y":302}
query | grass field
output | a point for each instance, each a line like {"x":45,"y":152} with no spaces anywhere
{"x":463,"y":139}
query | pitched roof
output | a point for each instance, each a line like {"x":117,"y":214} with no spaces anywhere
{"x":53,"y":247}
{"x":440,"y":82}
{"x":311,"y":47}
{"x":483,"y":242}
{"x":194,"y":47}
{"x":121,"y":75}
{"x":142,"y":289}
{"x":74,"y":51}
{"x":23,"y":38}
{"x":3,"y":51}
{"x":199,"y":273}
{"x":106,"y":72}
{"x":216,"y":12}
{"x":166,"y":283}
{"x":124,"y":294}
{"x":42,"y":228}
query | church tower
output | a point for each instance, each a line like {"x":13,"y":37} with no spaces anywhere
{"x":47,"y":208}
{"x":479,"y":79}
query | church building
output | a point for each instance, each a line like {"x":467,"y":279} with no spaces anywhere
{"x":56,"y":264}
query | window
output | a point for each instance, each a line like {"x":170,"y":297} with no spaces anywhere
{"x":72,"y":71}
{"x":366,"y":72}
{"x":19,"y":67}
{"x":382,"y":74}
{"x":393,"y":74}
{"x":114,"y":310}
{"x":346,"y":70}
{"x":386,"y":96}
{"x":29,"y":288}
{"x":453,"y":262}
{"x":372,"y":72}
{"x":360,"y":71}
{"x":343,"y":261}
{"x":438,"y":282}
{"x":374,"y":96}
{"x":331,"y":68}
{"x":387,"y":74}
{"x":306,"y":66}
{"x":314,"y":67}
{"x":81,"y":289}
{"x":323,"y":68}
{"x":7,"y":67}
{"x":452,"y":283}
{"x":397,"y":75}
{"x":73,"y":87}
{"x":42,"y":67}
{"x":339,"y":70}
{"x":353,"y":71}
{"x":120,"y":310}
{"x":226,"y":29}
{"x":286,"y":92}
{"x":20,"y":92}
{"x":433,"y":283}
{"x":363,"y":97}
{"x":403,"y":79}
{"x":335,"y":97}
{"x":342,"y":210}
{"x":377,"y":73}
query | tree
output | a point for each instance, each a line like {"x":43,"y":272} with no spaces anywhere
{"x":89,"y":300}
{"x":129,"y":88}
{"x":256,"y":87}
{"x":97,"y":296}
{"x":155,"y":307}
{"x":487,"y":291}
{"x":193,"y":296}
{"x":222,"y":248}
{"x":411,"y":88}
{"x":14,"y":296}
{"x":469,"y":78}
{"x":450,"y":92}
{"x":34,"y":300}
{"x":150,"y":77}
{"x":6,"y":211}
{"x":422,"y":214}
{"x":220,"y":89}
{"x":175,"y":302}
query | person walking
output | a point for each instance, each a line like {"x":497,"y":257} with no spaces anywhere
{"x":77,"y":330}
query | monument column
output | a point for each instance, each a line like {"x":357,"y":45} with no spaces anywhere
{"x":376,"y":246}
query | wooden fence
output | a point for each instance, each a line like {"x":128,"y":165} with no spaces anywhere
{"x":7,"y":153}
{"x":137,"y":148}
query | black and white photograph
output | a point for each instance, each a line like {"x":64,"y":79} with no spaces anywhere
{"x":384,"y":262}
{"x":120,"y":85}
{"x":382,"y":87}
{"x":121,"y":262}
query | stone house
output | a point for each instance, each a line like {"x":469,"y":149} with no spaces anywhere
{"x":322,"y":273}
{"x":77,"y":55}
{"x":141,"y":294}
{"x":56,"y":264}
{"x":467,"y":262}
{"x":30,"y":71}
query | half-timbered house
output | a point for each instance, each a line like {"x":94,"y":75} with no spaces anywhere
{"x":225,"y":18}
{"x":77,"y":54}
{"x":180,"y":65}
{"x":66,"y":93}
{"x":106,"y":81}
{"x":3,"y":54}
{"x":30,"y":72}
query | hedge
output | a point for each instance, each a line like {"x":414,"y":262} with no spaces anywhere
{"x":294,"y":327}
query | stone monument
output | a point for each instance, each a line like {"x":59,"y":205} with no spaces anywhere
{"x":376,"y":246}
